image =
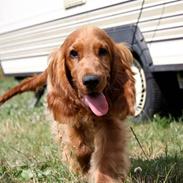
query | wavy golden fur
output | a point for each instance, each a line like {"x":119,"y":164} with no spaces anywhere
{"x":90,"y":93}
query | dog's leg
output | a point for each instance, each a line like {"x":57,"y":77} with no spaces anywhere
{"x":81,"y":149}
{"x":75,"y":146}
{"x":109,"y":163}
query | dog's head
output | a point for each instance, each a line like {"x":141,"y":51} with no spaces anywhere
{"x":90,"y":68}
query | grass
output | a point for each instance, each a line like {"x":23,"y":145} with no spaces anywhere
{"x":28,"y":154}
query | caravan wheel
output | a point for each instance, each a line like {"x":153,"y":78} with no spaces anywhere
{"x":148,"y":94}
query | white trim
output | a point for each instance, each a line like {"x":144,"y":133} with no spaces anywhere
{"x":167,"y":52}
{"x":26,"y":65}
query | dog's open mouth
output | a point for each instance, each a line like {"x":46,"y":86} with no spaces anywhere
{"x":97,"y":103}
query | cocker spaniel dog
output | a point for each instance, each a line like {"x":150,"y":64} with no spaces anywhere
{"x":90,"y":93}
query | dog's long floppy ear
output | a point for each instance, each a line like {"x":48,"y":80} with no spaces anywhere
{"x":29,"y":84}
{"x":61,"y":96}
{"x":122,"y":80}
{"x":59,"y":75}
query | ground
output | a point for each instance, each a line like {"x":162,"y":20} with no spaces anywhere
{"x":28,"y":153}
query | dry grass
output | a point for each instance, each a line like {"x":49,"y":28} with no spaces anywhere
{"x":28,"y":154}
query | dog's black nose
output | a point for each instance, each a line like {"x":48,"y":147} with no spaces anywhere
{"x":91,"y":81}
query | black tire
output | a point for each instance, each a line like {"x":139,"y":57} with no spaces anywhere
{"x":148,"y":94}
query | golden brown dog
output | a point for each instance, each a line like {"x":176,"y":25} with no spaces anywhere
{"x":90,"y":93}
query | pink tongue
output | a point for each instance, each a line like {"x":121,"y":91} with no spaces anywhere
{"x":98,"y":104}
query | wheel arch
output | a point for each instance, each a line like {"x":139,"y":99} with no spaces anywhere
{"x":132,"y":35}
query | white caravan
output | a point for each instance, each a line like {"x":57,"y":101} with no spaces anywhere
{"x":30,"y":30}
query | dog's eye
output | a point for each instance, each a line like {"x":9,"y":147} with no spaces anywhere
{"x":103,"y":52}
{"x":73,"y":54}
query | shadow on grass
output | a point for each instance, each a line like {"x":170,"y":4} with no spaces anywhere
{"x":160,"y":170}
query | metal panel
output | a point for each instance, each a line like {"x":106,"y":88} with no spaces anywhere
{"x":25,"y":65}
{"x":158,"y":35}
{"x":160,"y":20}
{"x":167,"y":52}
